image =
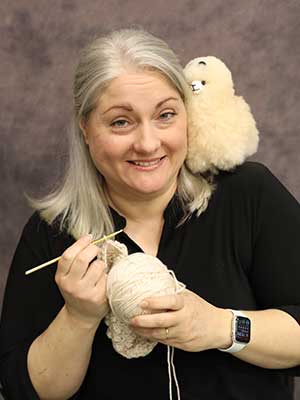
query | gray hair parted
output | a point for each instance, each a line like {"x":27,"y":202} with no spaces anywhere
{"x":80,"y":202}
{"x":108,"y":57}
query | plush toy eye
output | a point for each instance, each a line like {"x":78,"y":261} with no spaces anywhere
{"x":202,"y":62}
{"x":203,"y":83}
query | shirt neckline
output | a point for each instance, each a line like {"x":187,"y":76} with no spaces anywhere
{"x":172,"y":214}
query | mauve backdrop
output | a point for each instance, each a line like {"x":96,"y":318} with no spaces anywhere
{"x":40,"y":40}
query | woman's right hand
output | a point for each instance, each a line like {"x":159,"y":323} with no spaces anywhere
{"x":82,"y":282}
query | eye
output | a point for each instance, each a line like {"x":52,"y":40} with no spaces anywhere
{"x":203,"y":83}
{"x":202,"y":62}
{"x":167,"y":115}
{"x":119,"y":123}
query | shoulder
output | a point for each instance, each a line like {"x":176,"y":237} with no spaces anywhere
{"x":250,"y":170}
{"x":254,"y":183}
{"x":250,"y":177}
{"x":36,"y":225}
{"x":39,"y":234}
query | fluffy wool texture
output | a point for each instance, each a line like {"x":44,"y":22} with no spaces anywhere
{"x":130,"y":279}
{"x":222,"y":132}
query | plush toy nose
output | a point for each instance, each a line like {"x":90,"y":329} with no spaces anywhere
{"x":197,"y":86}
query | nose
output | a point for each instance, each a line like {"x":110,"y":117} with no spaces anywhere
{"x":147,"y":140}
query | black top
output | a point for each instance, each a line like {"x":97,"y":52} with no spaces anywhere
{"x":243,"y":253}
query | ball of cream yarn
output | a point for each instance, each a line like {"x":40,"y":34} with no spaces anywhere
{"x":134,"y":278}
{"x":130,"y":280}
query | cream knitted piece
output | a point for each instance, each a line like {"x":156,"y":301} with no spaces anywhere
{"x":132,"y":278}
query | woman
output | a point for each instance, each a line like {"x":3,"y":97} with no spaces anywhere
{"x":235,"y":248}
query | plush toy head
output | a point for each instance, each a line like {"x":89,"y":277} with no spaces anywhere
{"x":221,"y":129}
{"x":209,"y":74}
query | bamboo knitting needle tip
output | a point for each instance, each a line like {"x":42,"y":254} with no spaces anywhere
{"x":30,"y":271}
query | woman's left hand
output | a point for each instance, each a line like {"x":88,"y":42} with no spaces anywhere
{"x":185,"y":321}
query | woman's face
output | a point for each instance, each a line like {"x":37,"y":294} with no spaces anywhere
{"x":137,"y":135}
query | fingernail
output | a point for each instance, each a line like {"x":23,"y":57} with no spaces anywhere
{"x":89,"y":237}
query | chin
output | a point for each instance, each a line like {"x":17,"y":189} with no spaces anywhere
{"x":149,"y":190}
{"x":152,"y":189}
{"x":155,"y":185}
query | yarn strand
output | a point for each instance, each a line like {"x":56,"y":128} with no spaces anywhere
{"x":132,"y":278}
{"x":171,"y":368}
{"x":169,"y":373}
{"x":174,"y":372}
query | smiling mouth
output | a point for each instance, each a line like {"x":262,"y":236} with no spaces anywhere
{"x":146,"y":163}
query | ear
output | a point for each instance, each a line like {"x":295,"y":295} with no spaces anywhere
{"x":83,"y":126}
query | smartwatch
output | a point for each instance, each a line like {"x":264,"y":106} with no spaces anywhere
{"x":240,"y":332}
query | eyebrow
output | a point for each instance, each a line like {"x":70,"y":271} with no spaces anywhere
{"x":127,"y":106}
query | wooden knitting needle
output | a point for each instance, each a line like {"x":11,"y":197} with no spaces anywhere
{"x":29,"y":271}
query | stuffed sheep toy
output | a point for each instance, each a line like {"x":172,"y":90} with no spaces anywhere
{"x":221,"y":129}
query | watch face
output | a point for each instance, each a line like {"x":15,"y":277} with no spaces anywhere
{"x":242,"y":329}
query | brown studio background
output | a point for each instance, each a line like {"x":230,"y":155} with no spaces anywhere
{"x":40,"y":41}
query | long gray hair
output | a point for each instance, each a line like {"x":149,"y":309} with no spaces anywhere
{"x":80,"y":202}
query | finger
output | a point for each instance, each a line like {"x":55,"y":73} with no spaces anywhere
{"x":157,"y":334}
{"x":68,"y":256}
{"x":101,"y":283}
{"x":170,"y":302}
{"x":82,"y":261}
{"x":94,"y":273}
{"x":152,"y":321}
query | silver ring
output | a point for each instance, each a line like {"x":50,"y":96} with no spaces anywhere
{"x":167,"y":333}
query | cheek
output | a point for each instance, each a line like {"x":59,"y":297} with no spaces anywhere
{"x":179,"y":142}
{"x":104,"y":149}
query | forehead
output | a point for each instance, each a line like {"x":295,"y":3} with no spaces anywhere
{"x":137,"y":86}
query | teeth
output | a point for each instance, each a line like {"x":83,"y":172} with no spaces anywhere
{"x":146,"y":164}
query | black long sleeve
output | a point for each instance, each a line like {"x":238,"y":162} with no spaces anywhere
{"x":30,"y":304}
{"x":243,"y":253}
